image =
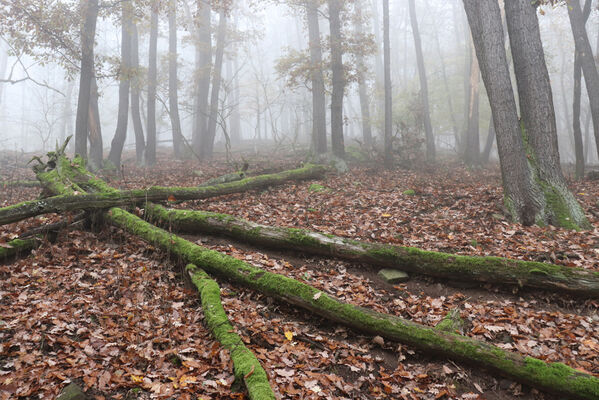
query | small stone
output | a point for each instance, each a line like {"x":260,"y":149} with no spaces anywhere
{"x":393,"y":275}
{"x":72,"y":392}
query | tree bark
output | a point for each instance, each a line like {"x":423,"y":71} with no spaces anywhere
{"x":489,"y":143}
{"x":362,"y":69}
{"x":208,"y":144}
{"x":319,"y":113}
{"x":152,"y":78}
{"x":497,"y":270}
{"x":472,"y":150}
{"x":140,"y":143}
{"x":173,"y":82}
{"x":204,"y":49}
{"x":426,"y":113}
{"x":88,"y":34}
{"x":388,"y":88}
{"x":120,"y":135}
{"x":585,"y":52}
{"x":338,"y":78}
{"x":557,"y":205}
{"x":96,"y":144}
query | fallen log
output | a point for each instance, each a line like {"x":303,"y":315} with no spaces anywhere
{"x":556,"y":378}
{"x":246,"y":366}
{"x":227,"y":178}
{"x":56,"y":181}
{"x":16,"y":247}
{"x":576,"y":281}
{"x":26,"y":184}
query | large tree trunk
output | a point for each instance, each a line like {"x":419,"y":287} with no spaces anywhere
{"x":208,"y":143}
{"x":319,"y":113}
{"x":576,"y":281}
{"x":338,"y":78}
{"x":557,"y":205}
{"x":118,"y":141}
{"x":472,"y":149}
{"x":140,"y":143}
{"x":88,"y":34}
{"x":585,"y":52}
{"x":426,"y":113}
{"x":204,"y":49}
{"x":96,"y":144}
{"x":388,"y":88}
{"x":577,"y":131}
{"x":152,"y":81}
{"x":553,"y":377}
{"x":173,"y":82}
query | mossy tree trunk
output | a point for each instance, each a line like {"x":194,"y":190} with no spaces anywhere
{"x":553,"y":377}
{"x":576,"y":281}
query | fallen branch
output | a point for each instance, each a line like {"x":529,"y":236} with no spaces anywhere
{"x":576,"y":281}
{"x":16,"y":247}
{"x":246,"y":366}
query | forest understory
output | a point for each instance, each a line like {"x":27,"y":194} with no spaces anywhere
{"x":119,"y":317}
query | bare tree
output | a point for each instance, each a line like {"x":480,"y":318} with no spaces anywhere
{"x":319,"y":123}
{"x":388,"y":93}
{"x":338,"y":78}
{"x":152,"y":78}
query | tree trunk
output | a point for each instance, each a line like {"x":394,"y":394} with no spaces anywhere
{"x":388,"y":88}
{"x":208,"y":144}
{"x":88,"y":34}
{"x":118,"y":141}
{"x":319,"y":113}
{"x":552,"y":377}
{"x":173,"y":82}
{"x":489,"y":143}
{"x":362,"y":69}
{"x":66,"y":122}
{"x":583,"y":49}
{"x":472,"y":150}
{"x":557,"y":205}
{"x":338,"y":78}
{"x":426,"y":113}
{"x":575,"y":281}
{"x":140,"y":144}
{"x":152,"y":78}
{"x":204,"y":44}
{"x":96,"y":144}
{"x":577,"y":131}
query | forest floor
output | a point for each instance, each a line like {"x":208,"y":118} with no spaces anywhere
{"x":113,"y":314}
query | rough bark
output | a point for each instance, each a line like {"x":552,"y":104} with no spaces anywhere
{"x":319,"y":113}
{"x":140,"y":143}
{"x":552,"y":377}
{"x":152,"y":78}
{"x":88,"y":34}
{"x":338,"y":78}
{"x":208,"y":143}
{"x":204,"y":50}
{"x":426,"y":113}
{"x":388,"y":87}
{"x":120,"y":135}
{"x":16,"y":247}
{"x":497,"y":270}
{"x":173,"y":81}
{"x":557,"y":205}
{"x":584,"y":50}
{"x":246,"y":367}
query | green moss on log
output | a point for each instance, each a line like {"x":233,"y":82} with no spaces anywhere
{"x":16,"y":247}
{"x":577,"y":281}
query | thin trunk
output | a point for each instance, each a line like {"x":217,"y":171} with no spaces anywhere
{"x":66,"y":124}
{"x":583,"y":48}
{"x":3,"y":67}
{"x":173,"y":82}
{"x":428,"y":127}
{"x":96,"y":146}
{"x":120,"y":135}
{"x":208,"y":143}
{"x":204,"y":49}
{"x":236,"y":115}
{"x":388,"y":87}
{"x":472,"y":151}
{"x":319,"y":113}
{"x":362,"y":85}
{"x":338,"y":78}
{"x":152,"y":78}
{"x":140,"y":145}
{"x":489,"y":143}
{"x":88,"y":34}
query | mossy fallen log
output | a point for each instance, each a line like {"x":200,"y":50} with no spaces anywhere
{"x":246,"y":366}
{"x":577,"y":281}
{"x":72,"y":177}
{"x":552,"y":377}
{"x":17,"y":247}
{"x":227,"y":178}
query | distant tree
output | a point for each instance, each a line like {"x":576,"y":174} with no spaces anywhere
{"x":535,"y":189}
{"x":136,"y":83}
{"x":152,"y":82}
{"x":472,"y":139}
{"x":96,"y":148}
{"x":173,"y":81}
{"x":388,"y":91}
{"x":319,"y":119}
{"x":338,"y":77}
{"x":203,"y":43}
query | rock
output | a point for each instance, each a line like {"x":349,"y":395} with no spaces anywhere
{"x":393,"y":275}
{"x":72,"y":392}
